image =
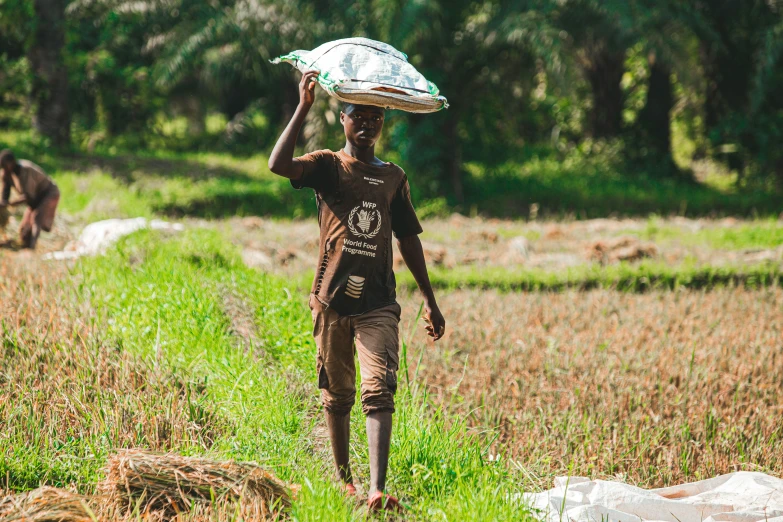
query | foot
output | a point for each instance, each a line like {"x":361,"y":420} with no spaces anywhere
{"x":349,"y":490}
{"x":379,"y":501}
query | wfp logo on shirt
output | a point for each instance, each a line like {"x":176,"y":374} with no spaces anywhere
{"x":365,"y":220}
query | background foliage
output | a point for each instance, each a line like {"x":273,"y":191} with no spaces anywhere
{"x":653,"y":90}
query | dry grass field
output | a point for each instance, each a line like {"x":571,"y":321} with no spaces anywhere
{"x":653,"y":389}
{"x":170,"y":343}
{"x":472,"y":245}
{"x":64,"y":385}
{"x":198,"y":343}
{"x":148,"y":348}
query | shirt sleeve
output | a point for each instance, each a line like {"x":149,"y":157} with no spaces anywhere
{"x":405,"y":223}
{"x":320,"y":171}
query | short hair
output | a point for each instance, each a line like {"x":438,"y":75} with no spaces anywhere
{"x":7,"y":156}
{"x":349,"y":105}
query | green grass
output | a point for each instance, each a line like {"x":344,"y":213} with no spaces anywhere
{"x":209,"y":185}
{"x":598,"y":186}
{"x":757,"y":234}
{"x":215,"y":185}
{"x":639,"y":277}
{"x":766,"y":235}
{"x":164,"y":300}
{"x":97,"y":196}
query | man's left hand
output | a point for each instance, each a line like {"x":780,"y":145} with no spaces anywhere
{"x":436,"y":324}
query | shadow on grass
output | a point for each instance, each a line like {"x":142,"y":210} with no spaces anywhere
{"x":257,"y":198}
{"x":126,"y":167}
{"x":581,"y":187}
{"x":181,"y":187}
{"x":591,"y":191}
{"x":188,"y":188}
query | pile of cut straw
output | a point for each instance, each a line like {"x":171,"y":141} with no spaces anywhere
{"x":45,"y":504}
{"x":173,"y":484}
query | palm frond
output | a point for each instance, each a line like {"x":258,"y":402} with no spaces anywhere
{"x":184,"y":59}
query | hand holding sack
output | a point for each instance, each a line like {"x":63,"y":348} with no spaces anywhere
{"x":368,"y":72}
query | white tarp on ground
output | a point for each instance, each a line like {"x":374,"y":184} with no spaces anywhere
{"x":98,"y":236}
{"x":737,"y":497}
{"x":368,"y":72}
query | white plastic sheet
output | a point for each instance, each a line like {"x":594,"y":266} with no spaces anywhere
{"x":98,"y":236}
{"x":737,"y":497}
{"x":368,"y":72}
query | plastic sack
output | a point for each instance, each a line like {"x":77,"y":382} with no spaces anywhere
{"x":367,"y":72}
{"x":97,"y":237}
{"x":743,"y":496}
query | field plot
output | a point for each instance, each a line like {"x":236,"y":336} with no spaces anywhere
{"x":169,"y":343}
{"x":198,"y":343}
{"x":69,"y":393}
{"x":654,"y":389}
{"x":625,"y":254}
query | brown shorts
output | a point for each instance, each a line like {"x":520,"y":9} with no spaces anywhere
{"x":40,"y":216}
{"x":374,"y":336}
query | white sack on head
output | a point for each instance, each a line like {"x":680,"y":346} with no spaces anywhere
{"x":367,"y":72}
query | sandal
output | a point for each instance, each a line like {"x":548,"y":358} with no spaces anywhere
{"x":349,"y":490}
{"x":379,"y":501}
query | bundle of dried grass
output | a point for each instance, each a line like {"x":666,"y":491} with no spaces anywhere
{"x":45,"y":504}
{"x":174,"y":484}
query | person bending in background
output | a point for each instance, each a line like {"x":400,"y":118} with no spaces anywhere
{"x":37,"y":190}
{"x":361,"y":202}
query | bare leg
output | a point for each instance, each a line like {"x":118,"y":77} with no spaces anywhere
{"x":379,"y":430}
{"x":34,"y":236}
{"x":340,"y":436}
{"x":26,"y":228}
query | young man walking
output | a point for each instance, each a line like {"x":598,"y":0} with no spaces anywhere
{"x":37,"y":191}
{"x":362,"y":201}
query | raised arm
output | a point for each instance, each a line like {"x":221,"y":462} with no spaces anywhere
{"x":413,"y":254}
{"x":282,"y":161}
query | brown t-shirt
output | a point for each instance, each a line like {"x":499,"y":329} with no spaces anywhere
{"x":359,"y":207}
{"x":29,"y":180}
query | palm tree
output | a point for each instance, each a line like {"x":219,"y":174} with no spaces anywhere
{"x":218,"y":51}
{"x":453,"y":44}
{"x":40,"y":24}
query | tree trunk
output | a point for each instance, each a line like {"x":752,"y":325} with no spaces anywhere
{"x":196,"y":112}
{"x":604,"y":71}
{"x":713,"y":110}
{"x":50,"y":77}
{"x":727,"y":77}
{"x":454,"y":158}
{"x":654,"y":119}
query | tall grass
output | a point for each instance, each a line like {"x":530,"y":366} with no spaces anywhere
{"x":652,"y":389}
{"x":756,"y":234}
{"x":170,"y":301}
{"x":626,"y":277}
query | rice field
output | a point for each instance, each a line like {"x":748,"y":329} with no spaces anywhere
{"x":173,"y":344}
{"x":654,"y":389}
